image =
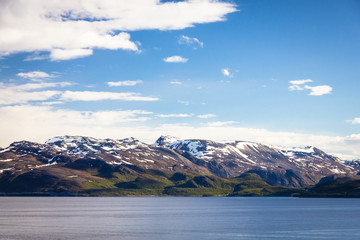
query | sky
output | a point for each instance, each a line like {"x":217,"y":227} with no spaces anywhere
{"x":276,"y":72}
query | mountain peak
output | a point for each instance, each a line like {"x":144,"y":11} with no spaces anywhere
{"x":66,"y":139}
{"x":165,"y":140}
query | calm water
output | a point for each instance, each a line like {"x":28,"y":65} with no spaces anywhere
{"x":178,"y":218}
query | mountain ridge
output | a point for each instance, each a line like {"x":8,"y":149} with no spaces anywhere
{"x":78,"y":162}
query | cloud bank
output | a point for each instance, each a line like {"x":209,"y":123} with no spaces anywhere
{"x":38,"y":123}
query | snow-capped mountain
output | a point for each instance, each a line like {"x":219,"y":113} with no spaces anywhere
{"x":277,"y":165}
{"x":24,"y":155}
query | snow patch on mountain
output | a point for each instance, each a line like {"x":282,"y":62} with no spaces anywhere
{"x":196,"y":148}
{"x":165,"y":140}
{"x":7,"y":160}
{"x":244,"y":145}
{"x":6,"y":169}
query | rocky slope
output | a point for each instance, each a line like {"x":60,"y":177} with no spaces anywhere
{"x":75,"y":163}
{"x":354,"y":164}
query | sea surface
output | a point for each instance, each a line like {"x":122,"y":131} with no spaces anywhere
{"x":48,"y":218}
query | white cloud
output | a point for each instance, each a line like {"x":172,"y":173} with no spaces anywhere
{"x":319,"y":90}
{"x":226,"y":72}
{"x":68,"y":54}
{"x":300,"y":82}
{"x":354,"y":121}
{"x":189,"y":41}
{"x":124,"y":83}
{"x":73,"y":28}
{"x":298,"y":85}
{"x":15,"y":94}
{"x":98,"y":96}
{"x":175,"y":82}
{"x":206,"y":116}
{"x":179,"y":115}
{"x":220,"y":124}
{"x":35,"y":75}
{"x":296,"y":88}
{"x":175,"y":59}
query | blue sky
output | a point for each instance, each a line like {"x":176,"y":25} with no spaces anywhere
{"x":276,"y":72}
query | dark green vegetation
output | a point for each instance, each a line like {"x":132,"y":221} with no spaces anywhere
{"x":101,"y":179}
{"x":335,"y":186}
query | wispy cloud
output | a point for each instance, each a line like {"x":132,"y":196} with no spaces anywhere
{"x":24,"y":93}
{"x":72,"y":29}
{"x":124,"y":83}
{"x":191,"y":42}
{"x":33,"y":86}
{"x":175,"y":59}
{"x":355,"y":120}
{"x":184,"y":102}
{"x":296,"y":88}
{"x":36,"y":56}
{"x":206,"y":116}
{"x":98,"y":96}
{"x":178,"y":115}
{"x":175,"y":82}
{"x":35,"y":75}
{"x":299,"y":85}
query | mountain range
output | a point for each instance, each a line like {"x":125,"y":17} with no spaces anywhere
{"x":173,"y":166}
